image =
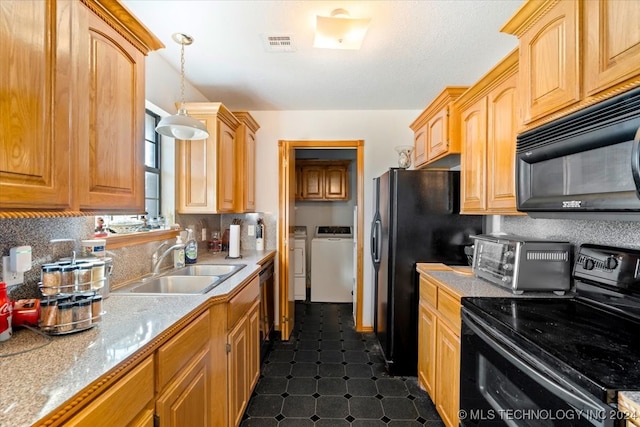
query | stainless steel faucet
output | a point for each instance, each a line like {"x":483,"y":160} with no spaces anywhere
{"x":157,"y":259}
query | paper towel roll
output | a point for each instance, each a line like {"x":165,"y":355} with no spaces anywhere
{"x":234,"y":241}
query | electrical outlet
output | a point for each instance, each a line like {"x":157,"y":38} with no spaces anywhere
{"x":10,"y":277}
{"x":251,"y":229}
{"x":204,"y":234}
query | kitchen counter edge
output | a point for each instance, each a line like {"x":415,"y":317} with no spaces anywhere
{"x":46,"y":383}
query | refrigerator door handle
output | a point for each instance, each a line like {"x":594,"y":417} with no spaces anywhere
{"x":373,"y":243}
{"x":378,"y":241}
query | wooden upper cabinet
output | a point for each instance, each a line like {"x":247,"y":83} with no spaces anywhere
{"x":322,"y":180}
{"x":573,"y":54}
{"x":436,"y":142}
{"x":246,"y":163}
{"x":549,"y":56}
{"x":206,"y":169}
{"x":72,"y":118}
{"x":111,"y":162}
{"x":473,"y":131}
{"x":612,"y":50}
{"x":35,"y":138}
{"x":488,"y":118}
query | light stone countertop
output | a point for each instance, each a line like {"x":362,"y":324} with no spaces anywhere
{"x":39,"y":381}
{"x":461,"y":282}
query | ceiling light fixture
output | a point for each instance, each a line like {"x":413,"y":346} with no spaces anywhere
{"x":340,"y":31}
{"x":180,"y":125}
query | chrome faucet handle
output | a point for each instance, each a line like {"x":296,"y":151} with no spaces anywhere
{"x":157,"y":250}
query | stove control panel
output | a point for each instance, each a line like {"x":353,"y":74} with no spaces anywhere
{"x":608,"y":265}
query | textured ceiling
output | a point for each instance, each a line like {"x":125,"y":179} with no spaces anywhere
{"x":411,"y":51}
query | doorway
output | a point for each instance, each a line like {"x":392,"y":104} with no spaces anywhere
{"x":287,"y":222}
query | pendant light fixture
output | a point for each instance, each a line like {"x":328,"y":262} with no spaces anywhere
{"x":181,"y":125}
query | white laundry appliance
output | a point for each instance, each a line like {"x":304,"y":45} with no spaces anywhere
{"x":300,"y":263}
{"x":332,"y":264}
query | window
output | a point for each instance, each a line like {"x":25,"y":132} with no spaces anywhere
{"x":152,"y":190}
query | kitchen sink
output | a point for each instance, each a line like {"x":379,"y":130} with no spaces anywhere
{"x":174,"y":285}
{"x":193,"y":279}
{"x":208,"y":270}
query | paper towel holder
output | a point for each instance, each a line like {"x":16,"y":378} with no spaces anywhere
{"x":233,"y":257}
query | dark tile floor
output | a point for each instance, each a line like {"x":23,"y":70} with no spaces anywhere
{"x":329,"y":375}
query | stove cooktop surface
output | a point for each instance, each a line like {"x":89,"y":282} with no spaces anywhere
{"x":575,"y":337}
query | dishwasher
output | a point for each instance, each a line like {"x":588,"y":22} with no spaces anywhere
{"x":267,"y":282}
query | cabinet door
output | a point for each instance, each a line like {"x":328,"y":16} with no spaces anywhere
{"x":185,"y":402}
{"x":313,"y":182}
{"x":549,"y":61}
{"x":448,"y":374}
{"x":427,"y":349}
{"x":35,"y":138}
{"x":336,"y":186}
{"x":253,"y":346}
{"x":437,"y":134}
{"x":226,"y":167}
{"x":132,"y":395}
{"x":111,"y":144}
{"x":501,"y":147}
{"x":473,"y":134}
{"x":612,"y":50}
{"x":250,"y":172}
{"x":238,"y":375}
{"x":420,"y":146}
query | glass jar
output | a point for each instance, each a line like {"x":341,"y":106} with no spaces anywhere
{"x":48,"y":313}
{"x":97,"y":274}
{"x":68,"y":282}
{"x":64,"y":321}
{"x":83,"y":277}
{"x":51,"y":278}
{"x":82,"y":313}
{"x":215,"y":244}
{"x":96,"y":308}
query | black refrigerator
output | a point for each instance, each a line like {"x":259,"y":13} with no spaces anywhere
{"x":416,"y":219}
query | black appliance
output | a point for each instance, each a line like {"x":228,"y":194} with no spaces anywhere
{"x":416,"y":220}
{"x":555,"y":361}
{"x":586,"y":164}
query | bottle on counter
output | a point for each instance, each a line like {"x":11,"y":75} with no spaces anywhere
{"x":178,"y":254}
{"x":190,"y":249}
{"x":5,"y":313}
{"x":215,"y":244}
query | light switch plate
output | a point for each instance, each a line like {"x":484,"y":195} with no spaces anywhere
{"x":251,"y":230}
{"x":10,"y":277}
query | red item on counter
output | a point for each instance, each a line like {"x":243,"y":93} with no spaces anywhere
{"x":26,"y":312}
{"x":5,"y":313}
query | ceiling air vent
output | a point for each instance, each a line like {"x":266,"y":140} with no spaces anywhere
{"x":279,"y":43}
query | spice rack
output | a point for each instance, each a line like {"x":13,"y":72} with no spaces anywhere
{"x":71,"y":301}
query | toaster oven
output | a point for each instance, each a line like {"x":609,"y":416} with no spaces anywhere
{"x":523,"y":264}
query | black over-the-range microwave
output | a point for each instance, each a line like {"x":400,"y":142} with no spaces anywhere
{"x":583,"y":164}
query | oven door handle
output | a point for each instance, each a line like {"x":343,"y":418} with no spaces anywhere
{"x":570,"y":394}
{"x":635,"y":161}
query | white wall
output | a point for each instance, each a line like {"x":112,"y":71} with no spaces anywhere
{"x":381,"y":132}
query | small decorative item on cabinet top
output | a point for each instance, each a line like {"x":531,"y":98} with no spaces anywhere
{"x":404,"y":155}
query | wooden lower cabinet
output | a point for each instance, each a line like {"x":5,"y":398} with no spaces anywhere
{"x":427,"y":349}
{"x":448,"y":373}
{"x":243,"y":347}
{"x":133,"y":397}
{"x":185,"y":401}
{"x":439,"y":348}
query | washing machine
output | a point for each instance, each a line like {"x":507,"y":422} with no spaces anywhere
{"x":332,"y":264}
{"x":300,"y":263}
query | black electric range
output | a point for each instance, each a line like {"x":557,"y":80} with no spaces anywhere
{"x":557,"y":354}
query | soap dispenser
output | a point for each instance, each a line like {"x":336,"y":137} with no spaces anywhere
{"x":178,"y":254}
{"x":191,"y":248}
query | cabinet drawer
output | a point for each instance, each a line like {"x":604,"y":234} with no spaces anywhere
{"x":240,"y":304}
{"x":130,"y":395}
{"x":449,"y":309}
{"x":428,"y":291}
{"x":176,"y":354}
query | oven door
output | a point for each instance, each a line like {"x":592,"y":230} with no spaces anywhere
{"x":501,"y":385}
